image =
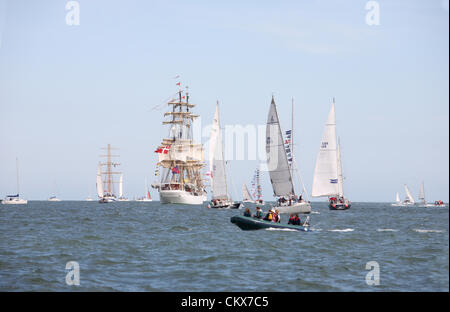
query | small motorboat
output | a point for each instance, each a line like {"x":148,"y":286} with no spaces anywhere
{"x":225,"y":204}
{"x":251,"y":223}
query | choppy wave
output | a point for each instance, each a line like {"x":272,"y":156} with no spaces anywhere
{"x":387,"y":230}
{"x":341,"y":230}
{"x":281,"y":229}
{"x":427,"y":231}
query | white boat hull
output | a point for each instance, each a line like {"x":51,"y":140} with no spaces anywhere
{"x":144,"y":200}
{"x":180,"y":197}
{"x":302,"y":207}
{"x":54,"y":199}
{"x":15,"y":202}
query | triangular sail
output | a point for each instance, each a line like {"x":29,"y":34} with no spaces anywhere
{"x":277,"y":162}
{"x":245,"y":193}
{"x":99,"y":182}
{"x":422,"y":193}
{"x":397,"y":198}
{"x":408,"y":194}
{"x":216,"y":161}
{"x":121,"y":185}
{"x":326,"y":173}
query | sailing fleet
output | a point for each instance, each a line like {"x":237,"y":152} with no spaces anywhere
{"x":181,"y":160}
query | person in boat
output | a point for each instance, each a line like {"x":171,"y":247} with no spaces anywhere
{"x":291,"y":219}
{"x":259,"y":213}
{"x":300,"y":198}
{"x":276,"y":217}
{"x":297,"y":220}
{"x":269,"y":215}
{"x":247,"y":213}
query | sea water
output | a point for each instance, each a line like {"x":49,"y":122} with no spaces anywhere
{"x":146,"y":246}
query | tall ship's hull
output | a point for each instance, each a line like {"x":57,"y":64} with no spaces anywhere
{"x":180,"y":197}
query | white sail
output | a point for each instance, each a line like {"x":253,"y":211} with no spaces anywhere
{"x":277,"y":163}
{"x":422,"y":193}
{"x":121,"y":186}
{"x":99,"y":182}
{"x":326,"y":173}
{"x":408,"y":194}
{"x":397,"y":198}
{"x":245,"y":193}
{"x":216,"y":161}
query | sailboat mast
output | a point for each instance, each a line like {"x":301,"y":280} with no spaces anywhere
{"x":17,"y":175}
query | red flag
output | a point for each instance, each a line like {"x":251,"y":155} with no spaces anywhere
{"x":158,"y":150}
{"x":166,"y":149}
{"x":178,"y":83}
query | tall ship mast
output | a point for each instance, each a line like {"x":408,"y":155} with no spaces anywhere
{"x":180,"y":158}
{"x":105,"y":177}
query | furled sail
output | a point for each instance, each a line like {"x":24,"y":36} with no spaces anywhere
{"x":408,"y":194}
{"x":245,"y":193}
{"x":326,"y":173}
{"x":99,"y":182}
{"x":216,"y":161}
{"x":277,"y":162}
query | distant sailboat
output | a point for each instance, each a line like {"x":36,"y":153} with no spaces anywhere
{"x":398,"y":202}
{"x":15,"y":199}
{"x":121,"y":198}
{"x":246,"y":197}
{"x":409,"y":199}
{"x":220,"y":197}
{"x":257,"y":191}
{"x":105,"y":187}
{"x":280,"y":169}
{"x":147,"y":198}
{"x":53,"y":198}
{"x":328,"y":178}
{"x":422,"y":201}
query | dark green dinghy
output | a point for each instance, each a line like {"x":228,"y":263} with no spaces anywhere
{"x":250,"y":223}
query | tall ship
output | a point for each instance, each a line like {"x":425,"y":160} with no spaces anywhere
{"x":281,"y":167}
{"x":217,"y":168}
{"x":328,"y":180}
{"x":180,"y":159}
{"x":15,"y":199}
{"x":105,"y":177}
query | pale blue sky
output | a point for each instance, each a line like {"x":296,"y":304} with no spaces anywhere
{"x":66,"y":91}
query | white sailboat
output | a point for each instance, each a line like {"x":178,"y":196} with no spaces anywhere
{"x":121,"y":198}
{"x":146,"y":198}
{"x":279,"y":168}
{"x":54,"y":198}
{"x":180,"y":158}
{"x":398,"y":202}
{"x":15,"y":199}
{"x":409,"y":200}
{"x":246,"y":197}
{"x":220,"y":196}
{"x":328,"y":178}
{"x":422,"y":202}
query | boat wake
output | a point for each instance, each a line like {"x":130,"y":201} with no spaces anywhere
{"x":315,"y":212}
{"x":343,"y":230}
{"x":279,"y":229}
{"x":427,"y":231}
{"x":387,"y":230}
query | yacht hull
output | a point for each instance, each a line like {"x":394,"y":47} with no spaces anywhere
{"x":303,"y":207}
